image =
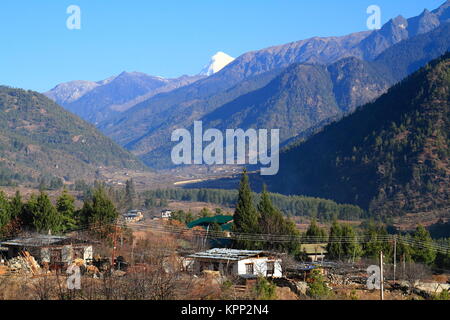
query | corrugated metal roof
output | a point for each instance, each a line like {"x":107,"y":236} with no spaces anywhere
{"x":40,"y":240}
{"x":227,"y":254}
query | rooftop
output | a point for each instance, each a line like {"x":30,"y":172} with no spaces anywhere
{"x":227,"y":254}
{"x":41,"y":240}
{"x":221,"y":220}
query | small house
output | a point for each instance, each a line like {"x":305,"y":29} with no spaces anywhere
{"x":314,"y":252}
{"x":55,"y":251}
{"x":133,"y":216}
{"x":166,"y":214}
{"x":243,"y":263}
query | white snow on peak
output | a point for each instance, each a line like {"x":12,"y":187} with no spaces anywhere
{"x":219,"y":61}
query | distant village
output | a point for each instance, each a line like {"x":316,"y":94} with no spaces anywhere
{"x":207,"y":268}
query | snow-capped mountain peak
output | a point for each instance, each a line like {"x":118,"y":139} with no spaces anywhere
{"x":219,"y":61}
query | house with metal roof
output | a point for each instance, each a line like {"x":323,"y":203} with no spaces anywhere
{"x":55,"y":251}
{"x":314,"y":251}
{"x":243,"y":263}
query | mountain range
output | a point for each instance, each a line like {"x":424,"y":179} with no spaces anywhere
{"x":389,"y":156}
{"x":145,"y":129}
{"x":296,"y":87}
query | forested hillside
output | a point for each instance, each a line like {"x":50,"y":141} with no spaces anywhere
{"x":390,"y":156}
{"x":39,"y":138}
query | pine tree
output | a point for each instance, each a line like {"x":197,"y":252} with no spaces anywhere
{"x":272,"y":222}
{"x":334,"y":247}
{"x":5,"y":212}
{"x":65,"y":205}
{"x":315,"y":234}
{"x":350,"y":247}
{"x":245,"y":219}
{"x":422,"y":249}
{"x":375,"y":241}
{"x":45,"y":216}
{"x":16,"y":205}
{"x":102,"y":210}
{"x":270,"y":219}
{"x":130,"y":194}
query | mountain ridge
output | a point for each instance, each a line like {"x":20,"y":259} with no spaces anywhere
{"x":40,"y":138}
{"x":390,"y":156}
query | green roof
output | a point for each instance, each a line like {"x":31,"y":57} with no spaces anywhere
{"x":210,"y":220}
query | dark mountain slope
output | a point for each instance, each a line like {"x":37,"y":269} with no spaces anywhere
{"x":301,"y":97}
{"x":390,"y":156}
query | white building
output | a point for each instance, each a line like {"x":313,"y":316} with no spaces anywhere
{"x":244,"y":263}
{"x":166,"y":214}
{"x":133,"y":216}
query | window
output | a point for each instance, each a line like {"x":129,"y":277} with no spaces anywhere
{"x":78,"y":253}
{"x":270,"y":268}
{"x":249,"y":268}
{"x":56,"y":255}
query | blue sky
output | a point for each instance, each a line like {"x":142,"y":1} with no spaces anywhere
{"x":163,"y":37}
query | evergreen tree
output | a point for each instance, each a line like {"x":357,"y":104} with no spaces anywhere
{"x":315,"y":234}
{"x":45,"y":216}
{"x":270,"y":219}
{"x":334,"y":247}
{"x":100,"y":210}
{"x":16,"y":205}
{"x":422,"y":248}
{"x":65,"y":205}
{"x":350,"y":247}
{"x":272,"y":222}
{"x":375,"y":241}
{"x":5,"y":212}
{"x":245,"y":217}
{"x":130,"y":194}
{"x":204,"y":213}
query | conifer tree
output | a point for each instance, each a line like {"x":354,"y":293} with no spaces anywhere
{"x":5,"y":213}
{"x":65,"y":205}
{"x":270,"y":219}
{"x":422,"y":248}
{"x":315,"y":234}
{"x":272,"y":222}
{"x":16,"y":205}
{"x":245,"y":219}
{"x":130,"y":194}
{"x":350,"y":247}
{"x":45,"y":216}
{"x":334,"y":247}
{"x":103,"y":210}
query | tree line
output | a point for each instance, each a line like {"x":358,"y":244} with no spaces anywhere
{"x":39,"y":214}
{"x":324,"y":210}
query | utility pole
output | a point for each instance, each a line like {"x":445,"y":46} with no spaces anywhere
{"x":114,"y":246}
{"x":395,"y":255}
{"x":381,"y":276}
